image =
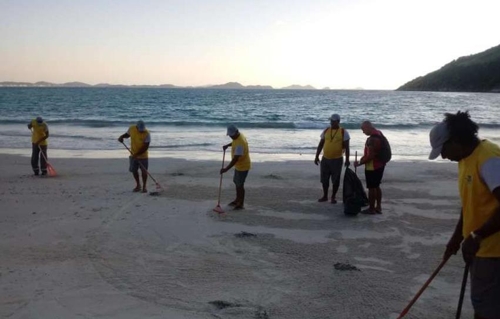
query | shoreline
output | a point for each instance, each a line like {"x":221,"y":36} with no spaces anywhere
{"x":190,"y":155}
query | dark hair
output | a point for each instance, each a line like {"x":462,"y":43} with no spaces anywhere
{"x":461,"y":127}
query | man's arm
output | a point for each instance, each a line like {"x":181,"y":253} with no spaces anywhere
{"x":231,"y":164}
{"x":30,"y":126}
{"x":224,"y":147}
{"x":456,"y":239}
{"x":126,"y":135}
{"x":492,"y":225}
{"x":318,"y":150}
{"x":471,"y":244}
{"x":143,"y":149}
{"x":371,"y":143}
{"x":43,"y":138}
{"x":347,"y":151}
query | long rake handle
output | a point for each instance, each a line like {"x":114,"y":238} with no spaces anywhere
{"x":462,"y":291}
{"x":43,"y":154}
{"x":355,"y":160}
{"x":220,"y":183}
{"x":142,"y":166}
{"x":405,"y":311}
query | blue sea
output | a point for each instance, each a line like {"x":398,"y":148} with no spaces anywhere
{"x":191,"y":123}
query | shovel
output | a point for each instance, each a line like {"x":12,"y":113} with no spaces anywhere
{"x":159,"y":189}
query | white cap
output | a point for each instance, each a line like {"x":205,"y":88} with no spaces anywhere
{"x":141,"y":126}
{"x":231,"y":130}
{"x":437,"y":137}
{"x":335,"y":117}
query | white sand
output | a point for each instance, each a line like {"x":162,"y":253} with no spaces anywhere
{"x":82,"y":245}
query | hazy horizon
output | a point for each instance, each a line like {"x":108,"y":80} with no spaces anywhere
{"x":340,"y":44}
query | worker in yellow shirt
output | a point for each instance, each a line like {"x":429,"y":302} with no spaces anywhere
{"x":334,"y":142}
{"x":478,"y":229}
{"x":139,"y":142}
{"x":240,"y":155}
{"x":39,"y":135}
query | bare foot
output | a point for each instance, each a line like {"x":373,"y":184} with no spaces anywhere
{"x":334,"y":201}
{"x":238,"y":207}
{"x":137,"y":189}
{"x":144,"y":190}
{"x":323,"y":199}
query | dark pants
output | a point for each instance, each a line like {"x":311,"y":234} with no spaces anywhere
{"x":36,"y":157}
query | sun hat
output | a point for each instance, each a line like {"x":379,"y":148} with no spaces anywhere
{"x":141,"y":126}
{"x":335,"y":117}
{"x":231,"y":130}
{"x":438,"y":135}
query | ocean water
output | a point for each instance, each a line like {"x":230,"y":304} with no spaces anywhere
{"x":191,"y":123}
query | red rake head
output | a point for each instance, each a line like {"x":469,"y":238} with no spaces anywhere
{"x":218,"y":209}
{"x":51,"y":170}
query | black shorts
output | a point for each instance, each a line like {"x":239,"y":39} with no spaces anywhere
{"x":485,"y":287}
{"x":374,"y":178}
{"x":240,"y":177}
{"x":331,"y":168}
{"x":134,"y":164}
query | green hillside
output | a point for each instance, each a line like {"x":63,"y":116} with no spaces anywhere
{"x":474,"y":73}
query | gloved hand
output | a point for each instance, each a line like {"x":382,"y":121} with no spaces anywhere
{"x":470,"y":247}
{"x":453,"y":246}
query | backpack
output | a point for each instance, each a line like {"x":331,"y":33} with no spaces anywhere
{"x":385,"y":153}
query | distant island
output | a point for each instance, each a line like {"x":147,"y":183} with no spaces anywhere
{"x":474,"y":73}
{"x":227,"y":86}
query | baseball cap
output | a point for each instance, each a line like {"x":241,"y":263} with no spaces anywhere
{"x":335,"y":117}
{"x":231,"y":130}
{"x":39,"y":119}
{"x":141,"y":126}
{"x":438,"y":136}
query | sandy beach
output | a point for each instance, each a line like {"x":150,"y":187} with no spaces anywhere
{"x":82,"y":245}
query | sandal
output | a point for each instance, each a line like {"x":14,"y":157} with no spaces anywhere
{"x":368,"y":212}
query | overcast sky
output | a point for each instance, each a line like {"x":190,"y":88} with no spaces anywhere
{"x":370,"y":44}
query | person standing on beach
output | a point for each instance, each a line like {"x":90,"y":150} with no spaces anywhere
{"x":240,"y":155}
{"x":374,"y":158}
{"x":39,"y":135}
{"x":139,"y":142}
{"x":334,"y":140}
{"x":478,"y":229}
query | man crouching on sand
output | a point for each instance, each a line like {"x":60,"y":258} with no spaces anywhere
{"x":241,"y":161}
{"x":139,"y":140}
{"x":479,"y":186}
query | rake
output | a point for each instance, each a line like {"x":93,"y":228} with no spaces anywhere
{"x":217,"y":208}
{"x":159,"y":188}
{"x":50,"y":169}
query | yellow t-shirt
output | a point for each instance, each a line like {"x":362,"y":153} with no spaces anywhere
{"x":239,"y":146}
{"x":39,"y":130}
{"x":478,"y":202}
{"x":334,"y":139}
{"x":138,"y":139}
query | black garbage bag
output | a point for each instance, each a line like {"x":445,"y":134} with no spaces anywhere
{"x":354,"y":195}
